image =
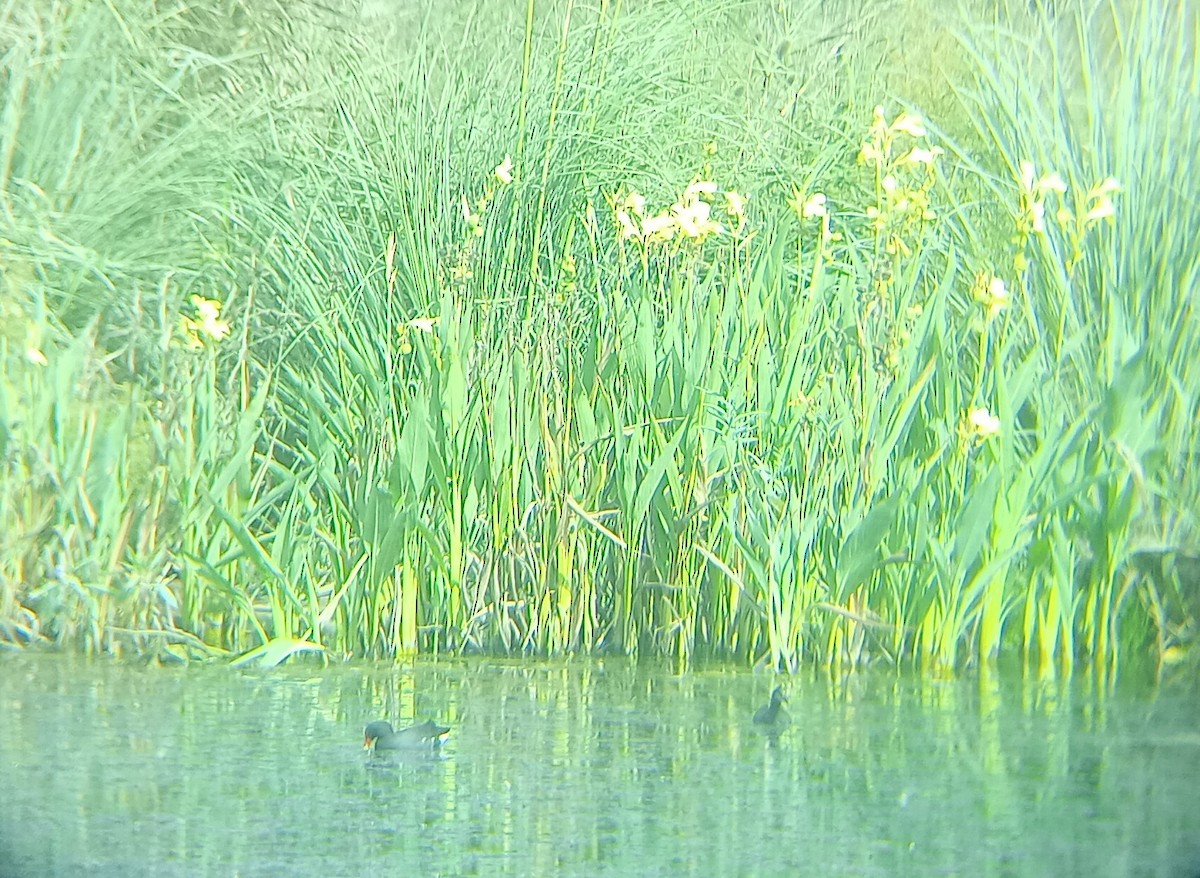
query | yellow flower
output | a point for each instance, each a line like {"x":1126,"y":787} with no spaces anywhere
{"x":735,"y":204}
{"x":879,"y":124}
{"x":1102,"y":209}
{"x":980,"y":424}
{"x":991,"y":292}
{"x":698,"y":188}
{"x":423,"y":324}
{"x":977,"y":426}
{"x":1174,"y":654}
{"x":870,"y":152}
{"x":635,"y":203}
{"x":474,"y":223}
{"x":1051,"y":183}
{"x":1103,"y":206}
{"x":694,"y":218}
{"x":36,"y":357}
{"x":907,"y":123}
{"x":1033,"y":190}
{"x":629,"y":228}
{"x":659,"y":228}
{"x":800,"y":400}
{"x":1027,"y":174}
{"x":1037,"y":214}
{"x":205,"y":326}
{"x":920,"y":156}
{"x":504,"y":171}
{"x":998,"y":297}
{"x":814,"y":206}
{"x":895,"y":244}
{"x":210,"y":322}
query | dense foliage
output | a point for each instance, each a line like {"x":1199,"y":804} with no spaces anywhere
{"x":725,"y":330}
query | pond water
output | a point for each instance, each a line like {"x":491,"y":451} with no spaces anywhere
{"x":587,"y":768}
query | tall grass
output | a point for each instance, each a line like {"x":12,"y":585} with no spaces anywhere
{"x":1094,"y":93}
{"x":471,"y":402}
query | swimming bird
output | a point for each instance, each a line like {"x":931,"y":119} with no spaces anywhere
{"x":773,"y":715}
{"x":379,"y":735}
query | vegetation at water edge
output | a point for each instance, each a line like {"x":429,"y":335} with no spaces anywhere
{"x":781,"y":333}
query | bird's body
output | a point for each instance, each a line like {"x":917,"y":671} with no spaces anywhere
{"x":772,"y":715}
{"x":378,"y":736}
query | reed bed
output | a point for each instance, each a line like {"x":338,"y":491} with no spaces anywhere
{"x":680,"y":330}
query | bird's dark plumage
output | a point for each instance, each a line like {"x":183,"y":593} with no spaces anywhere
{"x":773,"y":714}
{"x":379,"y":736}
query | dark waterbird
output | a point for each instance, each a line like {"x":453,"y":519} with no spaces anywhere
{"x":379,"y":736}
{"x":772,"y":715}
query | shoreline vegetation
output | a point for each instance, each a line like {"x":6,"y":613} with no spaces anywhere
{"x":782,"y":334}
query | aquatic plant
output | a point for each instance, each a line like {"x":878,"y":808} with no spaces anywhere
{"x":654,"y":356}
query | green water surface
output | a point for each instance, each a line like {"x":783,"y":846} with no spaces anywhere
{"x":588,"y":768}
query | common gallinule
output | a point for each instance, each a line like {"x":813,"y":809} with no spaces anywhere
{"x":423,"y":736}
{"x":773,"y":715}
